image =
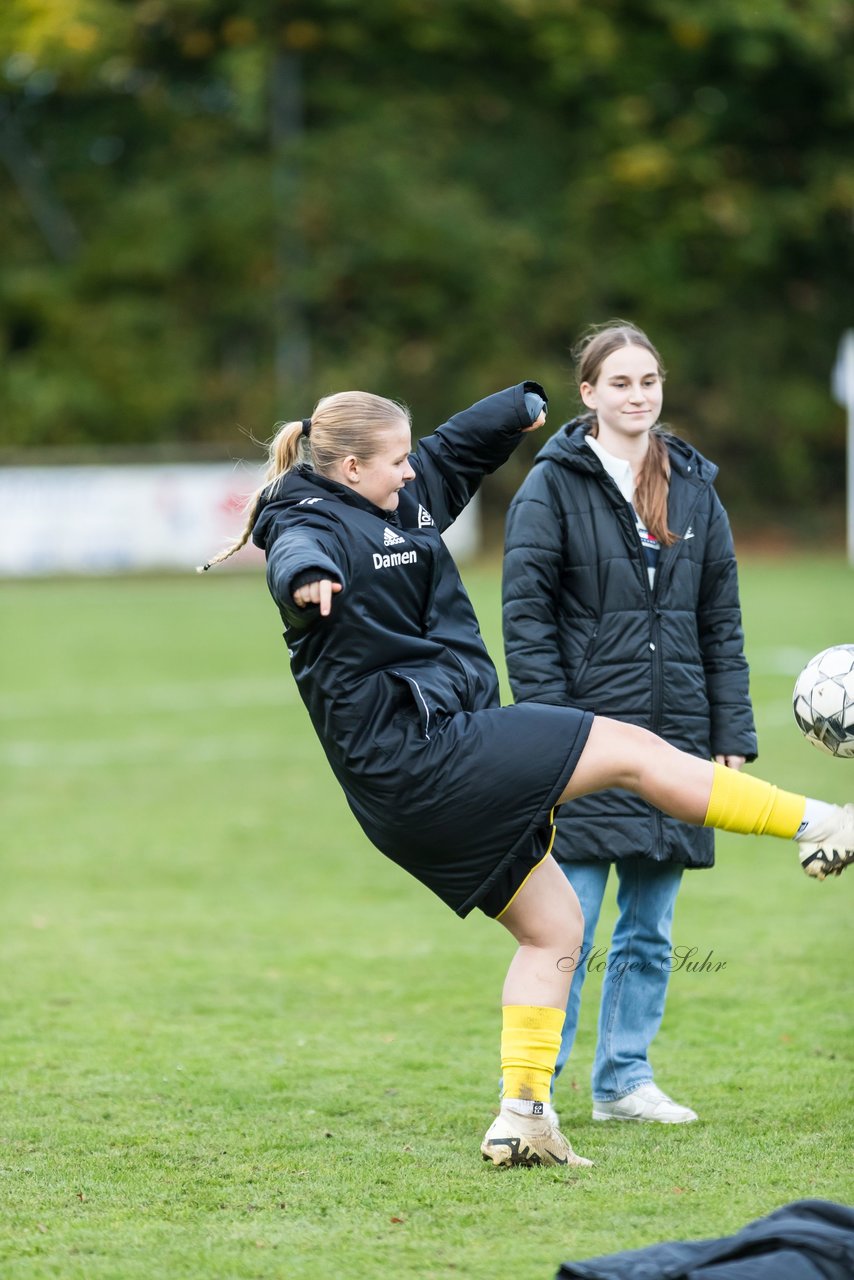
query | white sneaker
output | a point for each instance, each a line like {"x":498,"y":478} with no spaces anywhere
{"x":513,"y":1139}
{"x":830,"y":847}
{"x":647,"y":1102}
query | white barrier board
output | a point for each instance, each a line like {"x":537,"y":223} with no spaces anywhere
{"x":107,"y":520}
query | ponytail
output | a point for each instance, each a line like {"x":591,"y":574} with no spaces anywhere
{"x":348,"y":422}
{"x":652,"y":488}
{"x":284,"y":454}
{"x":652,"y":485}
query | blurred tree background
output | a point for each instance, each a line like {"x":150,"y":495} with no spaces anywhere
{"x":211,"y":214}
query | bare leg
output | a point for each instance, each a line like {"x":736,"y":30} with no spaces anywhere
{"x":546,"y":921}
{"x":697,"y":791}
{"x":624,"y":755}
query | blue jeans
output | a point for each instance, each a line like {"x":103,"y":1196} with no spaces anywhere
{"x":636,"y":968}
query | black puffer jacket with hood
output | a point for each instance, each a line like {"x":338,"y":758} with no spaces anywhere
{"x":583,"y":628}
{"x":399,"y":686}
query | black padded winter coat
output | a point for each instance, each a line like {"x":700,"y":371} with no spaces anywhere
{"x":583,"y":628}
{"x":399,"y":686}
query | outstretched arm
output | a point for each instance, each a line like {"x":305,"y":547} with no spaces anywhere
{"x":451,"y":462}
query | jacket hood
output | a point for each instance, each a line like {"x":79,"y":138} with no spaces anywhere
{"x":567,"y":447}
{"x":298,"y":486}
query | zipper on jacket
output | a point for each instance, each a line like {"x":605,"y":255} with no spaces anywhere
{"x":657,"y":681}
{"x":410,"y":680}
{"x":664,"y":569}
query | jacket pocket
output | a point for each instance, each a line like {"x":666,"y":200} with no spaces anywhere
{"x":581,"y":669}
{"x":434,"y":694}
{"x":422,"y":706}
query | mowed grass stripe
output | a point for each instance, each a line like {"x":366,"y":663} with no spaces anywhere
{"x":118,"y":752}
{"x":147,"y":699}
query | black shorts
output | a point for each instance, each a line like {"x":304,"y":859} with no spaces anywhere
{"x":469,"y":811}
{"x":513,"y":876}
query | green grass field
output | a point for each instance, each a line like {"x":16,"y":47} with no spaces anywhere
{"x":237,"y":1043}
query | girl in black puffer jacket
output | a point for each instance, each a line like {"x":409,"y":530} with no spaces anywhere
{"x":621,"y":597}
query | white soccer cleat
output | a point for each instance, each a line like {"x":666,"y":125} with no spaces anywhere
{"x":830,"y":847}
{"x":647,"y":1102}
{"x":514,"y":1139}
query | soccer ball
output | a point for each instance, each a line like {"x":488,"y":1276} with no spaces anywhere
{"x":824,"y":701}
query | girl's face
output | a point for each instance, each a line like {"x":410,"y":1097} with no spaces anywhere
{"x":628,"y":393}
{"x":381,"y":478}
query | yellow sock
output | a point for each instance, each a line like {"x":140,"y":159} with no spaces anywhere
{"x":530,"y":1039}
{"x":741,"y":803}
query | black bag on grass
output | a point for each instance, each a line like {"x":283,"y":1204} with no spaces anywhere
{"x":805,"y":1240}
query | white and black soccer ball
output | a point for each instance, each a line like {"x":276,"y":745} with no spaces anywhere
{"x":823,"y":701}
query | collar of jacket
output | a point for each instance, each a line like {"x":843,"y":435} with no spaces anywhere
{"x":294,"y":487}
{"x":567,"y":447}
{"x":342,"y":491}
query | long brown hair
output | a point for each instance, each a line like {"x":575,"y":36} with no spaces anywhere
{"x":349,"y":422}
{"x":653,"y":480}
